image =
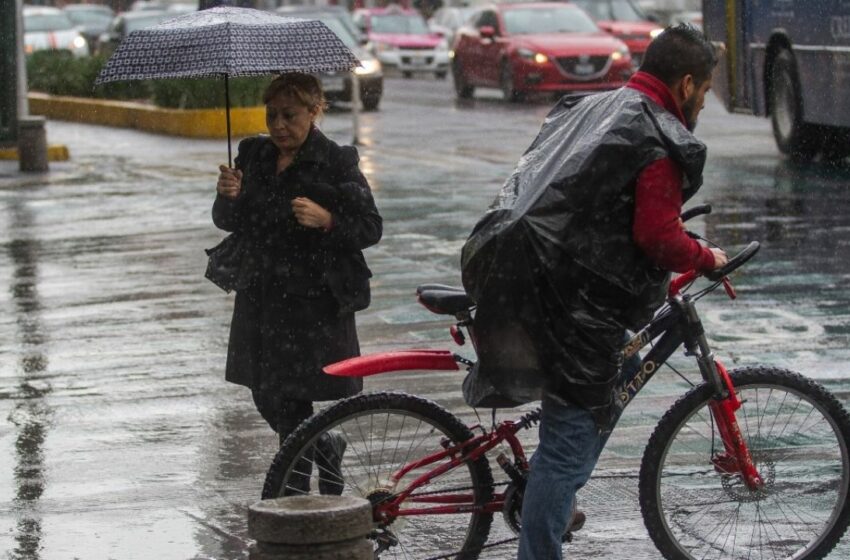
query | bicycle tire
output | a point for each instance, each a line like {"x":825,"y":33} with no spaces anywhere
{"x":349,"y":418}
{"x":693,"y":511}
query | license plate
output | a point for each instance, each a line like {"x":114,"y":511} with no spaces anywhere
{"x":332,"y":83}
{"x":417,"y":61}
{"x":584,"y":68}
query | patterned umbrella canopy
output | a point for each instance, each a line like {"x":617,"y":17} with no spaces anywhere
{"x":227,"y":41}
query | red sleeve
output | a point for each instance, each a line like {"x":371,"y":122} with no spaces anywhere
{"x":656,"y":230}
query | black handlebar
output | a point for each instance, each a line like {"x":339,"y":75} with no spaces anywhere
{"x":736,"y":261}
{"x":697,"y":210}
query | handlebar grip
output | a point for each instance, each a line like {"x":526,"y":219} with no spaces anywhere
{"x":697,"y":210}
{"x":736,"y":261}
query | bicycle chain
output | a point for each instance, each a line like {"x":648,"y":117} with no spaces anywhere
{"x":447,"y":490}
{"x":453,"y":554}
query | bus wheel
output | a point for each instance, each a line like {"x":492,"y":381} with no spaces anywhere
{"x":794,"y":137}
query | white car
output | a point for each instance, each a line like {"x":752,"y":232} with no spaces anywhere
{"x":52,"y":29}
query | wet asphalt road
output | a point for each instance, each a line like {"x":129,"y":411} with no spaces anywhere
{"x":119,"y":438}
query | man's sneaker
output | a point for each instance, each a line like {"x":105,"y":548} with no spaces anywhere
{"x":329,"y":451}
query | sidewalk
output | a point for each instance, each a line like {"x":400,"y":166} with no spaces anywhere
{"x":121,"y":439}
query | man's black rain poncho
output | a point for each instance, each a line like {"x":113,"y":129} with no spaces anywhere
{"x":552,"y":265}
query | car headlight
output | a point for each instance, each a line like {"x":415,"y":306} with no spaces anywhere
{"x":655,"y":32}
{"x":443,"y":45}
{"x":384,"y":47}
{"x":530,"y":55}
{"x":367,"y":68}
{"x":620,"y":53}
{"x":78,"y":43}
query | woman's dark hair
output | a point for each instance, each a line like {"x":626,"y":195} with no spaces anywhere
{"x":306,"y":88}
{"x":679,"y":51}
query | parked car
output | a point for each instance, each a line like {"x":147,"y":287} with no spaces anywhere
{"x":125,"y":23}
{"x":537,"y":47}
{"x":625,"y":20}
{"x":340,"y":13}
{"x":144,"y":5}
{"x":90,"y":19}
{"x":180,"y":8}
{"x":400,"y":38}
{"x":448,"y":19}
{"x":51,"y":29}
{"x":370,"y":74}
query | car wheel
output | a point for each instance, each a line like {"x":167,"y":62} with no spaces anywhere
{"x":462,"y":88}
{"x":506,"y":81}
{"x":794,"y":137}
{"x":370,"y":102}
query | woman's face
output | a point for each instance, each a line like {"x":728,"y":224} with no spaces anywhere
{"x":288,"y":121}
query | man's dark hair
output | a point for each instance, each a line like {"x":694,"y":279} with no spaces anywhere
{"x":679,"y":51}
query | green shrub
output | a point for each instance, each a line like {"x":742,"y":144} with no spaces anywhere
{"x":204,"y":93}
{"x":60,"y":73}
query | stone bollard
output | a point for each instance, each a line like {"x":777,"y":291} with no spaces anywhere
{"x":311,"y":528}
{"x":32,"y":144}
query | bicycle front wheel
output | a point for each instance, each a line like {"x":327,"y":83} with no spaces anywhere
{"x":359,"y":447}
{"x":797,"y":434}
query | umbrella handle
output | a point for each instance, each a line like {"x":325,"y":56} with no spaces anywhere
{"x":227,"y":113}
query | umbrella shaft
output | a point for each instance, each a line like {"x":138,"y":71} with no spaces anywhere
{"x":227,"y":113}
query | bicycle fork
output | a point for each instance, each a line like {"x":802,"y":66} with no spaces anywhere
{"x":736,"y":457}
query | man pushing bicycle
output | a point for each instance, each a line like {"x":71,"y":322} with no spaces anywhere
{"x":577,"y":248}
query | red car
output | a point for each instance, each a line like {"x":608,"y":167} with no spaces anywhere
{"x":624,"y":20}
{"x":400,"y":39}
{"x":537,"y":47}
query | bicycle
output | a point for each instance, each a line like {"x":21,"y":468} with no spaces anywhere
{"x":751,"y":463}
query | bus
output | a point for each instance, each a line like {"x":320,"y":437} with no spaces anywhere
{"x":789,"y":60}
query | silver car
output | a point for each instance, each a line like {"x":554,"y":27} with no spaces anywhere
{"x":51,"y":29}
{"x":370,"y":74}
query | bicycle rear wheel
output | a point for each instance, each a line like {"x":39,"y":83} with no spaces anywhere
{"x":382,"y":432}
{"x":798,"y":435}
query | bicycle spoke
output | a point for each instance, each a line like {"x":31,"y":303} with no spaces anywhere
{"x":803,"y":463}
{"x":379,"y":443}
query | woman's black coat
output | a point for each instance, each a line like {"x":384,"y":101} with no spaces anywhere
{"x":301,"y":286}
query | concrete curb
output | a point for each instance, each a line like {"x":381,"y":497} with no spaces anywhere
{"x":55,"y":152}
{"x":194,"y":123}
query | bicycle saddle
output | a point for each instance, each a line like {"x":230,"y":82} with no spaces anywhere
{"x":444,"y":300}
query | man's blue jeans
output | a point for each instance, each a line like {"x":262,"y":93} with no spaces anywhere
{"x":570,"y":444}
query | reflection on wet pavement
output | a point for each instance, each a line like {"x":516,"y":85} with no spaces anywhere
{"x":121,"y":438}
{"x":30,"y":414}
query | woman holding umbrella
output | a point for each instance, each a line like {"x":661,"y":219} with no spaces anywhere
{"x":306,"y":212}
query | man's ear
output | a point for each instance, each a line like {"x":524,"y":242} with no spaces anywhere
{"x":688,"y":86}
{"x":683,"y":88}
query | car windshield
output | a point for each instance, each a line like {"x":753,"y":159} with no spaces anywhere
{"x":337,"y":27}
{"x":612,"y":10}
{"x":406,"y":24}
{"x":536,"y":21}
{"x":85,"y":17}
{"x":136,"y":23}
{"x":47,"y":22}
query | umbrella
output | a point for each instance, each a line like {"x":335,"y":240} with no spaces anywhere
{"x":227,"y":41}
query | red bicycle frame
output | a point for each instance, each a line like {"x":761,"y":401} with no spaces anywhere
{"x":469,"y":450}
